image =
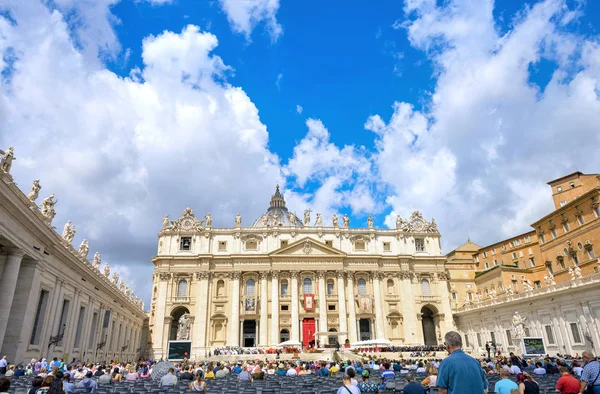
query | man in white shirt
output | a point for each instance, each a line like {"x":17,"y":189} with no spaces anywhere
{"x":514,"y":370}
{"x":539,"y":370}
{"x":169,"y":379}
{"x":3,"y":365}
{"x":291,"y":371}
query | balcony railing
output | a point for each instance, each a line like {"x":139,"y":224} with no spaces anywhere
{"x":181,"y":300}
{"x":427,"y":299}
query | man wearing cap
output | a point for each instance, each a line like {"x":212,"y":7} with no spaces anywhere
{"x":367,"y":386}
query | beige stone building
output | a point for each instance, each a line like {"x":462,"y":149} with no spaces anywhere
{"x":286,"y":278}
{"x":54,"y":302}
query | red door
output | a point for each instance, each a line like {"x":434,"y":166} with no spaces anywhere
{"x":308,"y":331}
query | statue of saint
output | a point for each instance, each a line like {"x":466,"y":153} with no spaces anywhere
{"x":107,"y":270}
{"x":307,"y":217}
{"x":66,"y":229}
{"x":122,"y":285}
{"x":319,"y":221}
{"x":346,"y":221}
{"x":275,"y":220}
{"x":292,"y":218}
{"x":115,"y":278}
{"x":183,"y":327}
{"x":370,"y":222}
{"x":35,"y":191}
{"x":48,"y":208}
{"x":208,"y":220}
{"x":432,"y":226}
{"x":238,"y":220}
{"x":84,"y":248}
{"x":97,"y":261}
{"x":165,"y":222}
{"x":68,"y":232}
{"x":398,"y":222}
{"x":335,"y":220}
{"x":571,"y":273}
{"x":518,"y":326}
{"x":7,"y":159}
{"x":578,"y":272}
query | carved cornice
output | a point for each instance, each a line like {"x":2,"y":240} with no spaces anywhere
{"x":263,"y":275}
{"x":294,"y":274}
{"x":341,"y":274}
{"x":203,"y":275}
{"x":235,"y":275}
{"x":321,"y":274}
{"x":165,"y":275}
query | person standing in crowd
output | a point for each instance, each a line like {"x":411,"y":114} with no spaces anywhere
{"x":488,"y":348}
{"x":3,"y":366}
{"x":347,"y":387}
{"x":412,"y":386}
{"x":505,"y":385}
{"x":4,"y":385}
{"x":590,"y":374}
{"x":458,"y":368}
{"x":567,"y":384}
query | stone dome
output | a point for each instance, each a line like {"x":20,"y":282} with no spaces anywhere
{"x":278,"y":214}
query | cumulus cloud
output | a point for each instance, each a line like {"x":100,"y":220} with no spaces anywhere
{"x":299,"y":109}
{"x":245,"y":15}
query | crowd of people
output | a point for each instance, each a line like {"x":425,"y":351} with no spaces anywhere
{"x":236,"y":350}
{"x":450,"y":375}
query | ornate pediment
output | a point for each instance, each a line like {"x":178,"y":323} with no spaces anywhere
{"x":416,"y":224}
{"x":187,"y":222}
{"x":307,"y":247}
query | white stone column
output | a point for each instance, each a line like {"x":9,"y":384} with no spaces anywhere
{"x":264,"y":312}
{"x":201,"y":314}
{"x":342,"y":307}
{"x":379,"y":328}
{"x":274,"y":308}
{"x":408,"y":309}
{"x":158,"y":346}
{"x":446,"y":307}
{"x":295,"y":334}
{"x":234,"y":327}
{"x":8,"y":285}
{"x":352,"y":326}
{"x":323,"y":339}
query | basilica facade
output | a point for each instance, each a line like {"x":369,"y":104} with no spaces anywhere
{"x":285,"y":278}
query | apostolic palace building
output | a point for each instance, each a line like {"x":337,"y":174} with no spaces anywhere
{"x":282,"y":278}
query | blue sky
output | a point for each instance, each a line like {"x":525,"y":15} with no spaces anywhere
{"x":462,"y":109}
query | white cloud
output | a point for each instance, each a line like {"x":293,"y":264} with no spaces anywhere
{"x":245,"y":15}
{"x":299,"y":109}
{"x":278,"y":81}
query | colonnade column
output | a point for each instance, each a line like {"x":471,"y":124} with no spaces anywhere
{"x":234,"y":333}
{"x":322,"y":308}
{"x":379,"y":330}
{"x":274,"y":308}
{"x":408,"y":308}
{"x":446,"y":307}
{"x":264,"y":313}
{"x":295,"y":334}
{"x":201,"y":313}
{"x":351,"y":309}
{"x":342,"y":307}
{"x":8,"y":285}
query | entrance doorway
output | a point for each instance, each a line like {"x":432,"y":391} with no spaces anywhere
{"x":308,"y":331}
{"x":364,"y":327}
{"x":429,"y":337}
{"x":175,"y":316}
{"x":333,"y":339}
{"x":249,"y":333}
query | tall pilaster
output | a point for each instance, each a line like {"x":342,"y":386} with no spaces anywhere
{"x":201,"y":313}
{"x":408,"y":308}
{"x":159,"y":348}
{"x":295,"y":334}
{"x":342,"y":306}
{"x":442,"y":287}
{"x":234,"y":328}
{"x":274,"y":308}
{"x":379,"y":330}
{"x":352,"y":326}
{"x":264,"y":313}
{"x":8,"y":284}
{"x":322,"y":308}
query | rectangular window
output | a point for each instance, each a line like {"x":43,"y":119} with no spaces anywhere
{"x":493,"y":252}
{"x":514,"y":255}
{"x":527,"y":239}
{"x":93,"y":330}
{"x":597,"y":211}
{"x":284,"y":243}
{"x":493,"y":336}
{"x":359,"y":245}
{"x":580,"y":219}
{"x":453,"y":296}
{"x":530,"y":251}
{"x":537,"y":284}
{"x":387,"y":247}
{"x":508,"y":336}
{"x":550,"y":269}
{"x":285,"y":307}
{"x":487,"y":265}
{"x":477,"y":259}
{"x":284,"y":289}
{"x":329,"y":243}
{"x":40,"y":312}
{"x":185,"y":243}
{"x":222,"y":246}
{"x":554,"y":233}
{"x":331,"y":307}
{"x":575,"y":259}
{"x":542,"y":240}
{"x":559,"y":189}
{"x":531,"y":262}
{"x":566,"y":227}
{"x":495,"y":262}
{"x":329,"y":288}
{"x":572,"y":184}
{"x":63,"y":318}
{"x":549,"y":335}
{"x":251,"y":245}
{"x":575,"y":332}
{"x":420,"y":245}
{"x":479,"y":339}
{"x":106,"y":319}
{"x":520,"y":253}
{"x":484,"y":255}
{"x":563,"y":203}
{"x":503,"y":248}
{"x":591,"y":253}
{"x":79,"y":327}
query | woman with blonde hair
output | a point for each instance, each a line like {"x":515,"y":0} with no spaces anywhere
{"x":43,"y":373}
{"x":431,"y":380}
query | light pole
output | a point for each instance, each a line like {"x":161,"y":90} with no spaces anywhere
{"x":123,"y":349}
{"x":54,"y":339}
{"x":100,"y":346}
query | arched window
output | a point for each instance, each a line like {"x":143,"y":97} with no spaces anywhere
{"x":362,"y":286}
{"x":284,"y":335}
{"x":250,"y":288}
{"x":390,"y":286}
{"x":182,"y":288}
{"x":220,"y":288}
{"x":307,"y":286}
{"x":425,"y":288}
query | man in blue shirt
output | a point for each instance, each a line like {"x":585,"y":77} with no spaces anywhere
{"x":412,"y":387}
{"x":237,"y":369}
{"x":590,"y":377}
{"x":504,"y":385}
{"x":459,"y":373}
